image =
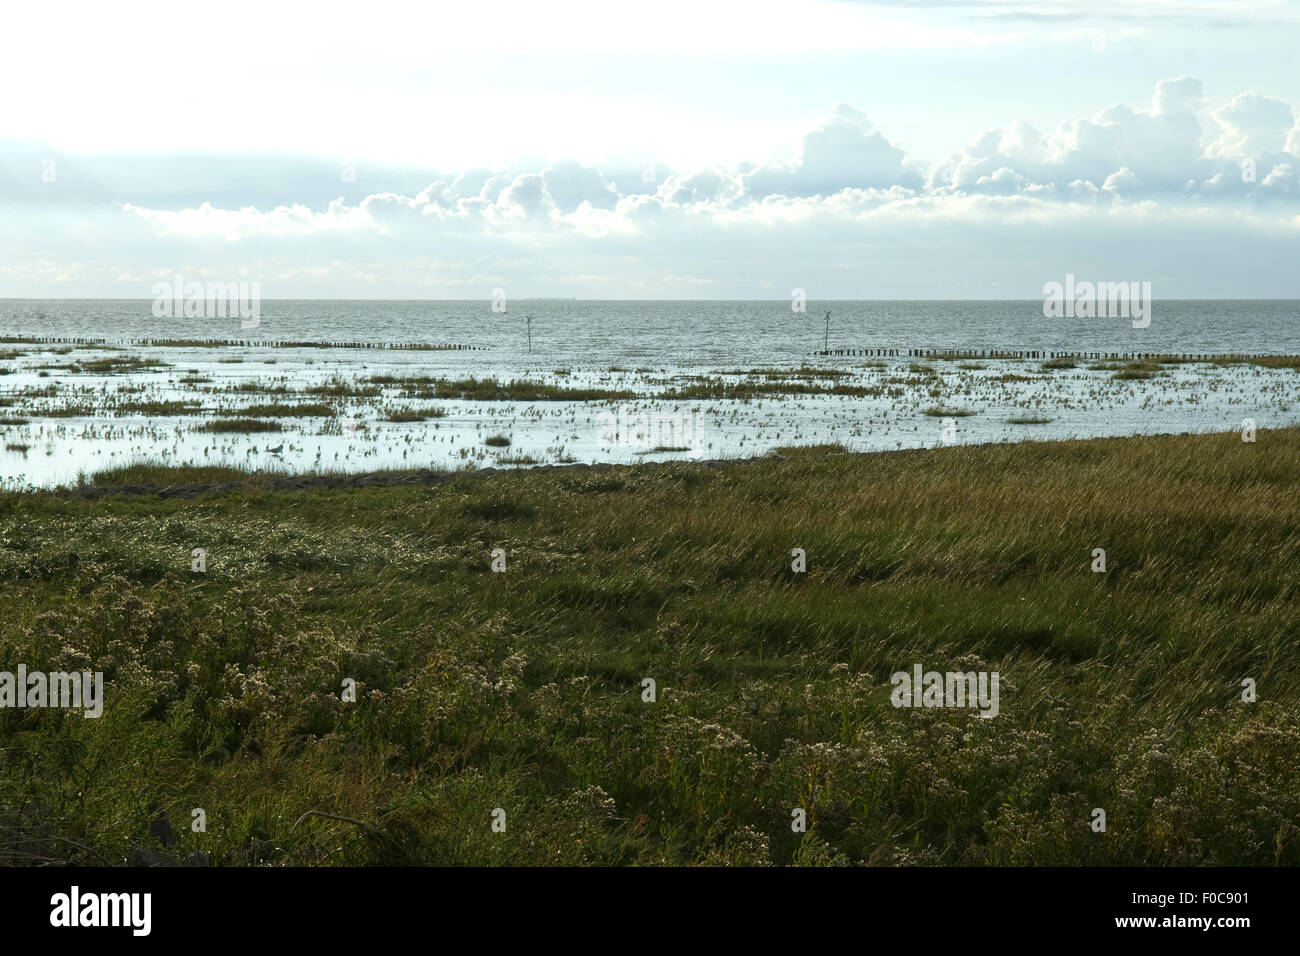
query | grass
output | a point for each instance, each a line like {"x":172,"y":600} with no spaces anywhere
{"x":716,"y":389}
{"x":118,"y":364}
{"x":520,"y":390}
{"x":1029,"y":420}
{"x":160,"y":476}
{"x":523,"y":690}
{"x":1278,"y":361}
{"x":414,"y":414}
{"x":938,"y":411}
{"x":810,"y":451}
{"x":288,"y":410}
{"x":239,"y":425}
{"x":497,"y":441}
{"x":159,"y":409}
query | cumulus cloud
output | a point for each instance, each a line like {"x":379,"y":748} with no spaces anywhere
{"x":570,"y":184}
{"x":847,"y":203}
{"x":1164,"y":152}
{"x":845,"y":152}
{"x":1254,"y":125}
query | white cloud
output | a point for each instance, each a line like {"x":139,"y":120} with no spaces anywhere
{"x":851,"y":209}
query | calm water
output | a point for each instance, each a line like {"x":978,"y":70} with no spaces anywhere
{"x":687,"y":333}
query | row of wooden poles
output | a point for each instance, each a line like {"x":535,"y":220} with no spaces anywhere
{"x":1045,"y":354}
{"x":878,"y":352}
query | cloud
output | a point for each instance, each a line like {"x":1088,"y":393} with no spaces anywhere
{"x":1253,"y":125}
{"x":570,"y":184}
{"x":845,"y":152}
{"x":850,"y":210}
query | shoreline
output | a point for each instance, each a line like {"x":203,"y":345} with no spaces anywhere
{"x":428,"y":477}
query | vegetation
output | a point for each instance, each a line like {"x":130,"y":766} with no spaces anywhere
{"x":287,"y":410}
{"x":523,"y":690}
{"x":239,"y":425}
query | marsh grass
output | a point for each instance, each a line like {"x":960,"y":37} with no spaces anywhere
{"x":118,"y":365}
{"x":522,"y":690}
{"x":239,"y":425}
{"x":413,"y":414}
{"x":288,"y":410}
{"x":766,"y":387}
{"x":810,"y":451}
{"x":520,"y":390}
{"x":145,"y":474}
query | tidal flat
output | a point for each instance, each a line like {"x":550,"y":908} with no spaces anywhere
{"x":70,"y":412}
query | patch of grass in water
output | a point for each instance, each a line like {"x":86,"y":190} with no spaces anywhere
{"x":159,"y":409}
{"x":118,"y":364}
{"x":158,"y":475}
{"x":519,"y":390}
{"x":288,"y":410}
{"x":414,"y":414}
{"x":239,"y":425}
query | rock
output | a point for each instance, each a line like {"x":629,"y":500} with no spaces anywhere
{"x":161,"y":830}
{"x":142,"y":857}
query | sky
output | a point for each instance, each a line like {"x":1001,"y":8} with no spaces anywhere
{"x":702,"y":149}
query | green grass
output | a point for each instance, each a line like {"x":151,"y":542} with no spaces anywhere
{"x":523,"y":690}
{"x":160,"y":476}
{"x":239,"y":425}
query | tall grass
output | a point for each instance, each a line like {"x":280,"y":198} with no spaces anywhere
{"x":523,"y":690}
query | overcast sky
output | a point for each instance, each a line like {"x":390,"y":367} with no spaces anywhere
{"x":976,"y":148}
